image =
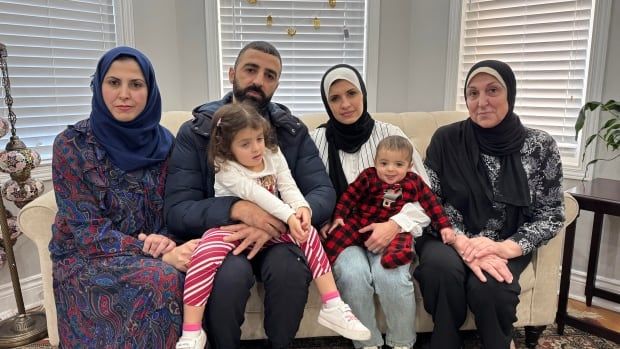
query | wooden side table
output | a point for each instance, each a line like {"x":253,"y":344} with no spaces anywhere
{"x":601,"y":196}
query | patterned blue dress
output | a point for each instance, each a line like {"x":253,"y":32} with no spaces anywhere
{"x":109,"y":294}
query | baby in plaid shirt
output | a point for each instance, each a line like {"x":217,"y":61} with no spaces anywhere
{"x":378,"y":193}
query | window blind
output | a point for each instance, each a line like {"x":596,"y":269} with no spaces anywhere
{"x":546,"y":42}
{"x":53,"y":47}
{"x":307,"y":54}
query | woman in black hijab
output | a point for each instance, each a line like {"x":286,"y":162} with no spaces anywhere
{"x":500,"y":182}
{"x":347,"y":144}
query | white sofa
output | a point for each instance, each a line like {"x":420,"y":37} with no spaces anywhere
{"x":539,"y":282}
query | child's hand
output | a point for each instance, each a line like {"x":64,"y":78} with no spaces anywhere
{"x":294,"y":226}
{"x":448,"y":236}
{"x":303,"y":214}
{"x":335,"y":224}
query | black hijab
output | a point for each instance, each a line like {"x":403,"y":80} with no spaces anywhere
{"x":348,"y":138}
{"x":454,"y":154}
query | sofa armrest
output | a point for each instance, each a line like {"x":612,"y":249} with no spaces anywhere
{"x":35,"y":221}
{"x":546,"y":263}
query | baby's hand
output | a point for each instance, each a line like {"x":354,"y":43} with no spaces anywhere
{"x":304,"y":216}
{"x":335,"y":224}
{"x":295,"y":228}
{"x":448,"y":236}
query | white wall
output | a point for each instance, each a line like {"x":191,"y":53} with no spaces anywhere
{"x":172,"y":34}
{"x":155,"y":30}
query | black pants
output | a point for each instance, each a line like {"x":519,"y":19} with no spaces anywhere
{"x":286,"y":277}
{"x":448,"y":287}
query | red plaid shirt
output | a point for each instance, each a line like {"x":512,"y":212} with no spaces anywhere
{"x":365,"y":203}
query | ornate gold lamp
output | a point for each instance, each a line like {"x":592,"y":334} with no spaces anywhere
{"x":18,"y":161}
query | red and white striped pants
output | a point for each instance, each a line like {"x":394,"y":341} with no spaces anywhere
{"x":211,"y":251}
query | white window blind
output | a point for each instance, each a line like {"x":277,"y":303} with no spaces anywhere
{"x":546,"y":42}
{"x":53,"y":47}
{"x":307,"y":54}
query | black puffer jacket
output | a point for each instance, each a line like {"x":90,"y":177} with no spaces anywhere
{"x":190,"y":207}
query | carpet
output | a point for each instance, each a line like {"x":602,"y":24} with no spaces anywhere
{"x":572,"y":339}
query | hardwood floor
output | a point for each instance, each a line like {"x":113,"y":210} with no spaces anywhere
{"x":603,"y":317}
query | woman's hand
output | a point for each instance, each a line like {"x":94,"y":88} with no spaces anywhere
{"x":180,"y":256}
{"x":448,"y":236}
{"x":482,"y":246}
{"x":381,"y":234}
{"x":495,"y":266}
{"x":156,"y":244}
{"x":505,"y":249}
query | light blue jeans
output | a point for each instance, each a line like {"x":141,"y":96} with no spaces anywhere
{"x":359,"y":275}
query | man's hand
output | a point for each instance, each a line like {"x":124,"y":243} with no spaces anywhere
{"x":253,"y":215}
{"x":250,"y":236}
{"x":495,"y":266}
{"x":156,"y":244}
{"x":381,"y":234}
{"x":180,"y":256}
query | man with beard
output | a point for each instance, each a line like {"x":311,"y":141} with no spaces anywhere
{"x":191,"y":208}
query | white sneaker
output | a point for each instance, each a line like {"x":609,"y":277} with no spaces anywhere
{"x":198,"y":342}
{"x":400,"y":347}
{"x":373,"y":347}
{"x":341,"y":320}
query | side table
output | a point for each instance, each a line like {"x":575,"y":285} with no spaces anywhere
{"x":601,"y":196}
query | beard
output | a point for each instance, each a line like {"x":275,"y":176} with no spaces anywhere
{"x":241,"y":95}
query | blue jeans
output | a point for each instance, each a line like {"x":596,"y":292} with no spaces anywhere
{"x":359,"y":275}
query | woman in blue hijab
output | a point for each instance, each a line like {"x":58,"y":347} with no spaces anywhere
{"x":117,"y":275}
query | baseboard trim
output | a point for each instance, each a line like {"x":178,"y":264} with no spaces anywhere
{"x":578,"y":286}
{"x":32,"y":293}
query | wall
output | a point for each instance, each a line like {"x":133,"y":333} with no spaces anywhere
{"x":155,"y":33}
{"x":173,"y":36}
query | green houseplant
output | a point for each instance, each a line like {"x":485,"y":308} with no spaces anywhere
{"x":609,"y":133}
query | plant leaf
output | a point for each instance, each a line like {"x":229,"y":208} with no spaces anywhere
{"x":590,"y":139}
{"x":589,"y":106}
{"x":611,"y":105}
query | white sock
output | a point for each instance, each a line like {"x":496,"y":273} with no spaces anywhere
{"x":190,"y":334}
{"x":333,"y":302}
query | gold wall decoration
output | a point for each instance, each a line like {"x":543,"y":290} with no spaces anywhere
{"x":252,"y":2}
{"x":291,"y":31}
{"x":269,"y":21}
{"x":332,"y":3}
{"x":316,"y":22}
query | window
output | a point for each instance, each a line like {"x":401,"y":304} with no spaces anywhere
{"x":547,"y":44}
{"x":307,"y":54}
{"x":53,"y":47}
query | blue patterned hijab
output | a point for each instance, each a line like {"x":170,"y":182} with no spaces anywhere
{"x":135,"y":144}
